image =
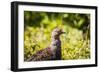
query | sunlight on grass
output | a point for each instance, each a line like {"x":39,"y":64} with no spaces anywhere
{"x":75,"y":44}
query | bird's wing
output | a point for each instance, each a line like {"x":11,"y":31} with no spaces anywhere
{"x":42,"y":55}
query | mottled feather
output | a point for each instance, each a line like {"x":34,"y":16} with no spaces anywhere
{"x":53,"y":52}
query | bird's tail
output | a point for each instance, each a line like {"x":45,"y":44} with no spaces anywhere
{"x":41,"y":55}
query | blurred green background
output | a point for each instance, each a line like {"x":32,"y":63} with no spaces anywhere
{"x":75,"y":44}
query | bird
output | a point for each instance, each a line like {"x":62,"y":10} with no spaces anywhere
{"x":53,"y":52}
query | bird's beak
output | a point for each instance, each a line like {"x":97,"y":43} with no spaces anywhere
{"x":63,"y":32}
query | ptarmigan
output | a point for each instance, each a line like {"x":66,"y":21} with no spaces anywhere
{"x":53,"y":52}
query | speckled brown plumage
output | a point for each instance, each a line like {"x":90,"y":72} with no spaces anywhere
{"x":53,"y":52}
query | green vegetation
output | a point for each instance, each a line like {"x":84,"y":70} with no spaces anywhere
{"x":75,"y":44}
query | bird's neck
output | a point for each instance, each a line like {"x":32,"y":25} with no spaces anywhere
{"x":56,"y":48}
{"x":54,"y":39}
{"x":55,"y":43}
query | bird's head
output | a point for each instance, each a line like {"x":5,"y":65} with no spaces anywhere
{"x":57,"y":32}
